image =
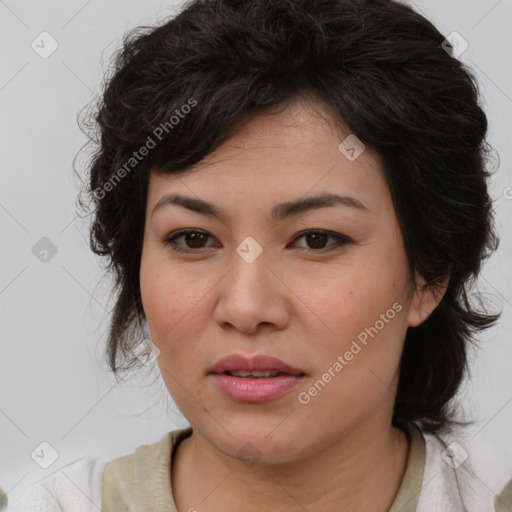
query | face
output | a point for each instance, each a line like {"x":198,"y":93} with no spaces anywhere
{"x":324,"y":289}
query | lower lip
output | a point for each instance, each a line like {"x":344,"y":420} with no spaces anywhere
{"x":255,"y":390}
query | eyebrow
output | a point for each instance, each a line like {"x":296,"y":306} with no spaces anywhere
{"x":279,"y":211}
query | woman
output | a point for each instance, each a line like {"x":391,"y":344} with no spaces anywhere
{"x":292,"y":197}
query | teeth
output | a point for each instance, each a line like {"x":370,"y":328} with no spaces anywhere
{"x":254,"y":374}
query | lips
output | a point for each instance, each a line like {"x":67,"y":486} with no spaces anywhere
{"x":255,"y":379}
{"x":259,"y":366}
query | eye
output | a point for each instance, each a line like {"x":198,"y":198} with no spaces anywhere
{"x":318,"y":237}
{"x":195,"y":240}
{"x":193,"y":237}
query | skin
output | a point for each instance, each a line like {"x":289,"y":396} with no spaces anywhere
{"x":296,"y":302}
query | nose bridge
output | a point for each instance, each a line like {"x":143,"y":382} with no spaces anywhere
{"x":249,"y":268}
{"x":250,"y":294}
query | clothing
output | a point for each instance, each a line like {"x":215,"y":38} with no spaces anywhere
{"x":140,"y":482}
{"x":74,"y":488}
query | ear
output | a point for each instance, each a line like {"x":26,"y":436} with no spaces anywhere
{"x":425,"y":300}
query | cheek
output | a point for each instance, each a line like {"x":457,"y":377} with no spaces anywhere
{"x":174,"y":311}
{"x":368,"y":344}
{"x":356,"y":298}
{"x":156,"y":292}
{"x":364,"y":310}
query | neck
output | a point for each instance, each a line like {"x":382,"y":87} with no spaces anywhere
{"x":362,"y":471}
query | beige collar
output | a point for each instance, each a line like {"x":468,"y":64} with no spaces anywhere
{"x":141,"y":482}
{"x":409,"y":493}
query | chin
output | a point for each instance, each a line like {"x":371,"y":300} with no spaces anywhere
{"x":260,"y":443}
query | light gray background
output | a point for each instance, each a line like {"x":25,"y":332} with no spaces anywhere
{"x":53,"y":383}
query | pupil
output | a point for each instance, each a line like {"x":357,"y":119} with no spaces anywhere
{"x":195,"y":239}
{"x":315,"y":236}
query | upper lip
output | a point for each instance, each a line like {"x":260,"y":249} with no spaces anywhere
{"x":261,"y":362}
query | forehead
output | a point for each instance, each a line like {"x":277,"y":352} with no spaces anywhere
{"x":284,"y":152}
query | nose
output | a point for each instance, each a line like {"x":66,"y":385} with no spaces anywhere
{"x":252,"y":296}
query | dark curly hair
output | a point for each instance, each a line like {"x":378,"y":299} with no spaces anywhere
{"x":182,"y":88}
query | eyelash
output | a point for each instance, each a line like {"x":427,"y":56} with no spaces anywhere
{"x":341,"y":240}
